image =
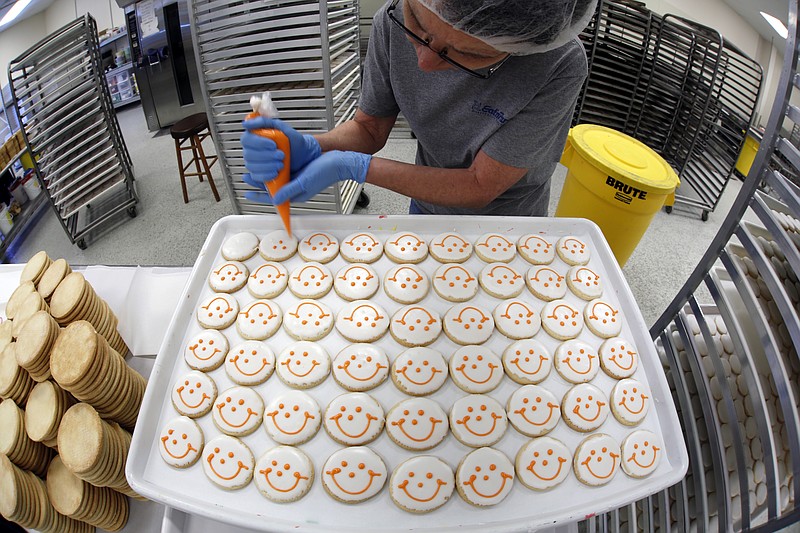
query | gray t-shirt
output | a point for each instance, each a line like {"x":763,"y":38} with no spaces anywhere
{"x":520,"y":116}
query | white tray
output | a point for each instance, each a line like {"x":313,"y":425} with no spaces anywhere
{"x":189,"y":490}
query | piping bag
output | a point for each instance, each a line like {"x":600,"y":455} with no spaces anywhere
{"x":263,"y":106}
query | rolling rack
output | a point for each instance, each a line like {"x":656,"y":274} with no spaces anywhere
{"x":306,"y":53}
{"x":728,"y":343}
{"x":70,"y":128}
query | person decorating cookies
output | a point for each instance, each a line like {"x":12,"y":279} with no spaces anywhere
{"x":488,"y":88}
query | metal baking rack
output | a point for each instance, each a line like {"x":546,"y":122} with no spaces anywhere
{"x":70,"y":128}
{"x":306,"y":53}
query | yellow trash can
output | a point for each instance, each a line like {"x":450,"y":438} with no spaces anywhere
{"x":747,"y":155}
{"x":615,"y":181}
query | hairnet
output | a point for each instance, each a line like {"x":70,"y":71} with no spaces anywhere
{"x":519,"y":27}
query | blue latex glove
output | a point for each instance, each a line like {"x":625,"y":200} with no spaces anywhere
{"x":260,"y":153}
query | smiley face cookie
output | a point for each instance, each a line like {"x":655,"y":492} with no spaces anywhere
{"x":455,"y":283}
{"x":546,"y":283}
{"x":303,"y":365}
{"x":318,"y":247}
{"x":218,"y":311}
{"x":419,"y":371}
{"x":308,"y":320}
{"x":494,"y":248}
{"x":181,"y":442}
{"x":533,"y":410}
{"x":284,"y":474}
{"x":478,"y":420}
{"x":629,"y":402}
{"x":596,"y":460}
{"x":206,"y":350}
{"x":641,"y":453}
{"x":527,"y":361}
{"x":576,"y":361}
{"x":417,"y":424}
{"x":354,"y":418}
{"x":450,"y":247}
{"x":229,"y":276}
{"x":406,"y":247}
{"x":406,"y":284}
{"x":415,"y":325}
{"x":421,"y":484}
{"x":467,"y":324}
{"x":584,"y":283}
{"x":572,"y":250}
{"x":238,"y":411}
{"x":516,"y":319}
{"x":603,"y":319}
{"x":240,"y":247}
{"x":476,"y":369}
{"x":193,"y":395}
{"x":353,"y":474}
{"x":618,"y":358}
{"x":250,"y":363}
{"x":228,"y":462}
{"x":501,"y":281}
{"x":356,"y":282}
{"x":561,"y":320}
{"x":292,"y":418}
{"x":543,"y":463}
{"x":360,"y":367}
{"x":310,"y":280}
{"x":584,"y":408}
{"x":361,"y":247}
{"x":536,"y":250}
{"x":362,"y":321}
{"x":277,"y":246}
{"x":485,"y":477}
{"x":259,"y":320}
{"x":268,"y":280}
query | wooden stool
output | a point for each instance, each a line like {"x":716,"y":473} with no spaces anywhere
{"x":194,"y":129}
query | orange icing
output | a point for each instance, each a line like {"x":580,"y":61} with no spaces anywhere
{"x":297,"y":478}
{"x":542,"y":359}
{"x":256,"y":304}
{"x":370,"y":419}
{"x":193,"y":348}
{"x":250,"y":413}
{"x":402,"y":319}
{"x":495,"y":418}
{"x":500,"y":237}
{"x":624,"y":404}
{"x":460,"y":318}
{"x":417,"y":274}
{"x":409,"y":236}
{"x":434,"y":371}
{"x":236,"y":364}
{"x":613,"y":466}
{"x":568,"y":362}
{"x":346,"y":365}
{"x":255,"y":274}
{"x":552,"y":407}
{"x":239,"y":469}
{"x":352,"y":240}
{"x":287,"y":364}
{"x":514,"y":274}
{"x":468,"y":278}
{"x":473,"y":477}
{"x":377,"y":317}
{"x":402,"y":421}
{"x":578,"y":247}
{"x":577,"y":410}
{"x":589,"y":279}
{"x":616,"y":361}
{"x":189,"y":447}
{"x":220,"y":269}
{"x":308,"y":267}
{"x":439,"y":484}
{"x":228,"y":310}
{"x":558,"y":276}
{"x":560,"y":460}
{"x":354,"y":267}
{"x":656,"y":449}
{"x":330,"y":242}
{"x":492,"y":368}
{"x":322,"y":314}
{"x":547,"y":245}
{"x":204,"y":398}
{"x":337,"y":470}
{"x":307,"y":416}
{"x":594,"y":316}
{"x":507,"y":314}
{"x":446,"y":237}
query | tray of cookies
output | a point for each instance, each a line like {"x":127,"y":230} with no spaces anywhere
{"x":395,"y":373}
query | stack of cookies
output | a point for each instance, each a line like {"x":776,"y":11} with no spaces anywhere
{"x":35,"y":268}
{"x":46,"y":406}
{"x":15,"y":383}
{"x":27,"y":307}
{"x":34,"y":343}
{"x":15,"y":443}
{"x":25,"y":288}
{"x":54,"y":274}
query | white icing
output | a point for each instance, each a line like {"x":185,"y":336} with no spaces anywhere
{"x":354,"y":474}
{"x":308,"y":320}
{"x":228,"y":462}
{"x":455,"y":283}
{"x":501,"y":280}
{"x":356,"y":282}
{"x":597,"y":459}
{"x":417,"y":424}
{"x":228,"y":277}
{"x":419,"y":371}
{"x":414,"y":325}
{"x":630,"y":401}
{"x":493,"y":247}
{"x":536,"y":250}
{"x":277,"y":246}
{"x":546,"y":283}
{"x":516,"y":319}
{"x":361,"y":247}
{"x":406,"y":247}
{"x":354,"y":418}
{"x":284,"y":474}
{"x":603,"y":319}
{"x":268,"y":280}
{"x":543,"y":463}
{"x":573,"y":250}
{"x":321,"y":247}
{"x":259,"y":320}
{"x":476,"y":369}
{"x":478,"y":420}
{"x":533,"y":410}
{"x":422,"y":484}
{"x":576,"y":361}
{"x":218,"y":311}
{"x":406,"y":284}
{"x":206,"y":350}
{"x":238,"y":411}
{"x":641,"y":453}
{"x":467,"y":324}
{"x":360,"y":367}
{"x":193,"y":394}
{"x":485,"y":477}
{"x":584,"y":282}
{"x":450,"y":247}
{"x":181,"y":441}
{"x":561,"y":319}
{"x":618,"y":357}
{"x":292,"y":417}
{"x":527,"y":361}
{"x":362,"y":321}
{"x":310,"y":280}
{"x":585,"y":407}
{"x":303,"y":364}
{"x":250,"y":363}
{"x":240,"y":247}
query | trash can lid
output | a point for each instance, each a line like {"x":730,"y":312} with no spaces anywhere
{"x":622,"y":156}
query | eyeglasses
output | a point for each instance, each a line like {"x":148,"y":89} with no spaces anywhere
{"x":443,"y":53}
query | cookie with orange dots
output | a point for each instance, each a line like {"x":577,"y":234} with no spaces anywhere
{"x":250,"y":363}
{"x":516,"y":319}
{"x":360,"y":367}
{"x":277,"y":246}
{"x":455,"y":283}
{"x":641,"y":453}
{"x":576,"y":361}
{"x":527,"y":361}
{"x":421,"y":484}
{"x":268,"y":280}
{"x":562,"y":320}
{"x":406,"y":284}
{"x":354,"y":418}
{"x":181,"y":442}
{"x":630,"y":402}
{"x":485,"y":477}
{"x":584,"y":408}
{"x":310,"y":280}
{"x":501,"y":280}
{"x":259,"y":320}
{"x":292,"y":418}
{"x":597,"y":460}
{"x":417,"y":424}
{"x":354,"y":474}
{"x":218,"y":311}
{"x":467,"y":324}
{"x":303,"y":365}
{"x":229,"y":276}
{"x":419,"y":371}
{"x":362,"y":321}
{"x":415,"y":325}
{"x":238,"y":411}
{"x":584,"y":283}
{"x":618,"y":358}
{"x":603,"y":318}
{"x":573,"y":250}
{"x":206,"y":350}
{"x":193,"y":394}
{"x":318,"y":247}
{"x":476,"y":369}
{"x":308,"y":320}
{"x":361,"y":247}
{"x":284,"y":474}
{"x":356,"y":282}
{"x":450,"y":247}
{"x":406,"y":247}
{"x":494,"y":248}
{"x":543,"y":463}
{"x":533,"y":410}
{"x":228,"y":462}
{"x":478,"y":420}
{"x":535,"y":249}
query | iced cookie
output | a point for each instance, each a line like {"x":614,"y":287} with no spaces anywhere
{"x":596,"y":460}
{"x":240,"y":247}
{"x":277,"y":246}
{"x":362,"y":321}
{"x":421,"y":484}
{"x":603,"y":319}
{"x":354,"y":474}
{"x":629,"y":403}
{"x":584,"y":283}
{"x":181,"y":442}
{"x":318,"y":247}
{"x":268,"y":280}
{"x":527,"y":361}
{"x":572,"y":250}
{"x":419,"y":371}
{"x":516,"y":319}
{"x":250,"y":363}
{"x":478,"y":420}
{"x":228,"y":462}
{"x":576,"y":361}
{"x":641,"y":453}
{"x":476,"y":369}
{"x":406,"y":247}
{"x":356,"y":282}
{"x":455,"y":283}
{"x":354,"y":418}
{"x":206,"y":350}
{"x":303,"y":365}
{"x":494,"y":248}
{"x":360,"y":367}
{"x":546,"y":283}
{"x":543,"y":463}
{"x":618,"y":358}
{"x":406,"y":284}
{"x":228,"y":277}
{"x":536,"y":250}
{"x":292,"y":418}
{"x":466,"y":324}
{"x":561,"y":320}
{"x":415,"y":325}
{"x":501,"y":281}
{"x":259,"y":320}
{"x":417,"y":424}
{"x":238,"y":411}
{"x":450,"y":247}
{"x":584,"y":408}
{"x":308,"y":320}
{"x":362,"y":247}
{"x":193,"y":395}
{"x":485,"y":477}
{"x":218,"y":311}
{"x":310,"y":280}
{"x":533,"y":410}
{"x":284,"y":474}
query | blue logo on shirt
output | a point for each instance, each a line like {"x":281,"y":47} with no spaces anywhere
{"x":481,"y":109}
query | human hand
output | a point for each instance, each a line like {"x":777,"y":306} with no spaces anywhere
{"x":258,"y":151}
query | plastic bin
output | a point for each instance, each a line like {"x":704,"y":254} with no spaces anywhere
{"x":615,"y":181}
{"x":747,"y":155}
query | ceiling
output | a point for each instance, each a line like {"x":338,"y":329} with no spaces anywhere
{"x":34,"y":7}
{"x":750,"y":11}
